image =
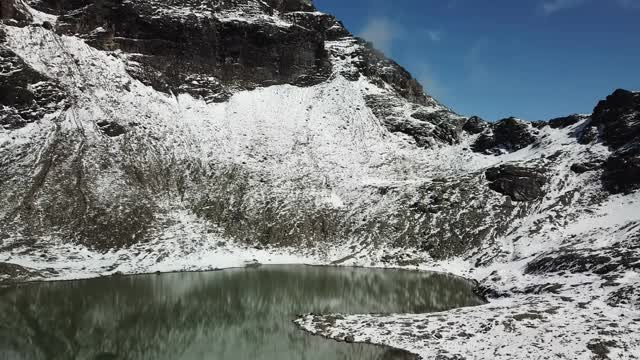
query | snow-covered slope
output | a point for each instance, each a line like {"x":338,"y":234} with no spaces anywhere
{"x":129,"y":151}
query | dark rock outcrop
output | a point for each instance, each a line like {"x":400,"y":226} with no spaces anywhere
{"x":25,"y":94}
{"x":600,"y":262}
{"x":538,"y":124}
{"x":328,"y":25}
{"x":447,"y":129}
{"x":15,"y":273}
{"x":111,"y":129}
{"x":58,"y":7}
{"x":617,"y":120}
{"x":14,"y":10}
{"x":625,"y":296}
{"x":475,"y":125}
{"x":519,"y":183}
{"x":291,"y":5}
{"x":588,"y":135}
{"x":427,"y":128}
{"x":619,"y":117}
{"x":563,"y":122}
{"x":581,"y":168}
{"x":507,"y":135}
{"x":622,"y":170}
{"x":382,"y":70}
{"x":207,"y":55}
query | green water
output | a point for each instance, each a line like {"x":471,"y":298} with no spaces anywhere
{"x":226,"y":315}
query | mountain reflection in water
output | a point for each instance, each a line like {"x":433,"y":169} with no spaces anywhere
{"x":234,"y":314}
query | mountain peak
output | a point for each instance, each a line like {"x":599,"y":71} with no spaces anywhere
{"x":285,"y":6}
{"x":151,"y":135}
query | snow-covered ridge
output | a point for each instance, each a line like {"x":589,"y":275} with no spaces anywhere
{"x":126,"y":178}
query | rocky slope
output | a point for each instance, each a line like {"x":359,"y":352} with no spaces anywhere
{"x":151,"y":135}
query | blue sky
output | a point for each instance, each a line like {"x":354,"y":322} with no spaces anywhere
{"x":534,"y":59}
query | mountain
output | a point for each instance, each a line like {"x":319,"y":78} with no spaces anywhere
{"x":147,"y":135}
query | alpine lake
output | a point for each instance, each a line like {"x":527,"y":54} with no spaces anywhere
{"x":236,"y":314}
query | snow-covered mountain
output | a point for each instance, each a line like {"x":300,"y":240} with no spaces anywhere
{"x":149,"y":135}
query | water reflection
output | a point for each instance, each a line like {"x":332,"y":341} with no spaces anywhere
{"x":235,"y":314}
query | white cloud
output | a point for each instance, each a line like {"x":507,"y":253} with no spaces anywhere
{"x":477,"y":69}
{"x":381,"y":32}
{"x":434,"y":35}
{"x":426,"y":77}
{"x":553,"y":6}
{"x":635,"y":4}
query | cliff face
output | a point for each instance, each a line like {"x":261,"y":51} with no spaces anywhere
{"x":268,"y":123}
{"x":14,"y":11}
{"x":207,"y":50}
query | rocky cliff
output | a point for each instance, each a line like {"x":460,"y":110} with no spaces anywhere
{"x":154,"y":135}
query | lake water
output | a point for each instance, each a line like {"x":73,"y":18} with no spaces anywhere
{"x":237,"y":314}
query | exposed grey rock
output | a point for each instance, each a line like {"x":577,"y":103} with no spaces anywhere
{"x":475,"y":125}
{"x":619,"y":117}
{"x":588,"y":135}
{"x":211,"y":56}
{"x":58,"y":7}
{"x":447,"y":127}
{"x":25,"y":94}
{"x":538,"y":124}
{"x":427,"y":128}
{"x":507,"y":135}
{"x":291,"y":5}
{"x":600,"y":262}
{"x":111,"y":129}
{"x":563,"y":122}
{"x":622,"y":170}
{"x":381,"y":70}
{"x":519,"y":183}
{"x":581,"y":168}
{"x":600,"y":348}
{"x":625,"y":296}
{"x":326,"y":24}
{"x":14,"y":10}
{"x":15,"y":273}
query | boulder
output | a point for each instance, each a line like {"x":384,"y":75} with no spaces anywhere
{"x":519,"y":183}
{"x":581,"y":168}
{"x":110,"y":128}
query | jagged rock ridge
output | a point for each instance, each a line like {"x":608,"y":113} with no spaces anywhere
{"x":215,"y":50}
{"x":146,"y":135}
